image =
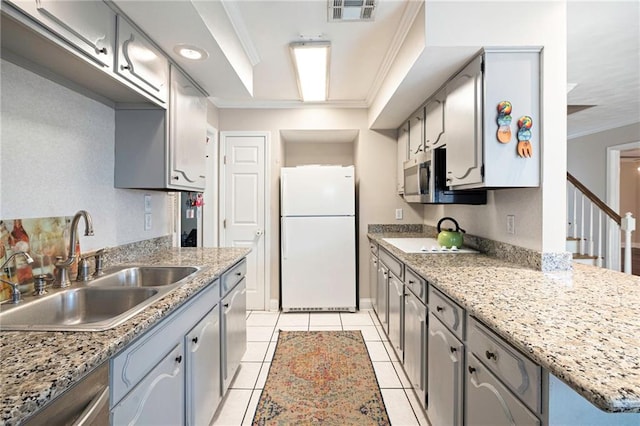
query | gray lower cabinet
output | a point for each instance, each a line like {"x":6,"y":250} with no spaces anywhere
{"x":489,"y":402}
{"x":233,"y":321}
{"x":203,"y":390}
{"x":396,"y":315}
{"x":178,"y":371}
{"x":415,"y":345}
{"x":373,"y":281}
{"x":446,"y":375}
{"x":158,"y":398}
{"x":382,"y":295}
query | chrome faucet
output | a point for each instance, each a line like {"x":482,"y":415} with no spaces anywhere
{"x":62,"y":266}
{"x":15,"y":291}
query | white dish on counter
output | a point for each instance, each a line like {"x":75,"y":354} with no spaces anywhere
{"x":424,"y":245}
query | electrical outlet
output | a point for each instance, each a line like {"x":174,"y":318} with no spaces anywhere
{"x":399,"y":214}
{"x":147,"y":221}
{"x":147,"y":203}
{"x":511,"y":224}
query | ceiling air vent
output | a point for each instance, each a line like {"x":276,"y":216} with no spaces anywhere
{"x":351,"y":10}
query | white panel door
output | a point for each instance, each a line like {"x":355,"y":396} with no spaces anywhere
{"x":318,"y":191}
{"x":244,"y":208}
{"x":318,"y":262}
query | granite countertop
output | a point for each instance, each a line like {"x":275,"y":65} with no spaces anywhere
{"x":582,"y":325}
{"x":35,"y":367}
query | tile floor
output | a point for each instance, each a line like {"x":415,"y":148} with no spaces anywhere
{"x":242,"y":398}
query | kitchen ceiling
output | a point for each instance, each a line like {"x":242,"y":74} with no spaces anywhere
{"x":250,"y":66}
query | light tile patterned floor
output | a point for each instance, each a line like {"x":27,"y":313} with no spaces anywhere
{"x":241,"y":401}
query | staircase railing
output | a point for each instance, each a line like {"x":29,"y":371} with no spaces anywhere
{"x":598,"y":228}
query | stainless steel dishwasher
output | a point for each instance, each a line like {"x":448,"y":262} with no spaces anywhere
{"x":86,"y":403}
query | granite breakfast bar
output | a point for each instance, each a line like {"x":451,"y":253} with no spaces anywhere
{"x":36,"y":367}
{"x":581,"y":326}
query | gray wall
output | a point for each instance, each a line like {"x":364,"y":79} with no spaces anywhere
{"x":57,"y":157}
{"x":587,"y":155}
{"x":305,"y":153}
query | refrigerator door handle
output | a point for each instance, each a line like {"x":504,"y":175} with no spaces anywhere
{"x":283,"y":229}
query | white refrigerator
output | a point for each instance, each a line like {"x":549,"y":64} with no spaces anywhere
{"x":318,"y":238}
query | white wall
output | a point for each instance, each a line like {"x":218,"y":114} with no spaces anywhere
{"x":57,"y":157}
{"x":540,"y":213}
{"x":587,"y":155}
{"x":375,"y":164}
{"x":300,"y":154}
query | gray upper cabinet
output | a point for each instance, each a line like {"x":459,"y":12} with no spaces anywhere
{"x":88,"y":25}
{"x":464,"y":129}
{"x":403,"y":154}
{"x":140,"y":62}
{"x":476,"y":158}
{"x":434,"y":121}
{"x":416,"y":133}
{"x":160,"y":149}
{"x":188,"y":132}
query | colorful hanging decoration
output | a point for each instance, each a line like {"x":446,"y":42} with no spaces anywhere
{"x":524,"y":136}
{"x":504,"y":122}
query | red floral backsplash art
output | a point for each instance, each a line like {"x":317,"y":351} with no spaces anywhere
{"x":42,"y":238}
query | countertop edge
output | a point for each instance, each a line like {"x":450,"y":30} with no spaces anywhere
{"x":594,"y":396}
{"x":19,"y":408}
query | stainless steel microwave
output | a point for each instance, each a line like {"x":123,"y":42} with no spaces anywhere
{"x":425,"y":181}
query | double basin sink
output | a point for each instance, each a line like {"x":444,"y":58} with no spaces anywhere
{"x":98,"y":305}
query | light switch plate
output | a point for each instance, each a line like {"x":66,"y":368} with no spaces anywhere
{"x":398,"y":214}
{"x":147,"y":221}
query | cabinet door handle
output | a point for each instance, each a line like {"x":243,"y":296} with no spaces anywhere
{"x":490,"y":355}
{"x":179,"y":359}
{"x":103,"y":51}
{"x":175,"y":177}
{"x":439,"y":308}
{"x":125,"y":67}
{"x":453,"y":350}
{"x":471,"y":370}
{"x":238,"y":273}
{"x":226,"y":305}
{"x":412,"y":282}
{"x":195,"y":339}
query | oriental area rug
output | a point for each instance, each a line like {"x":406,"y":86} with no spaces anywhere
{"x":321,"y":377}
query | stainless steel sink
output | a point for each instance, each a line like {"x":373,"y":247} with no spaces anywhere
{"x":144,"y":276}
{"x":101,"y":304}
{"x":89,"y":309}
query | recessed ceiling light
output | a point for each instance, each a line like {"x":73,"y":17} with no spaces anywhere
{"x":191,"y":52}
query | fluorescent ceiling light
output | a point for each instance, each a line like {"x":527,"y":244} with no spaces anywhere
{"x":188,"y":51}
{"x":311,"y":62}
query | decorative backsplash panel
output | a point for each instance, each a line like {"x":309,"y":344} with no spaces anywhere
{"x":43,"y":238}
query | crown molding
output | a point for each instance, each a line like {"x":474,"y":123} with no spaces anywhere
{"x":404,"y":26}
{"x":233,"y":12}
{"x":284,"y":104}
